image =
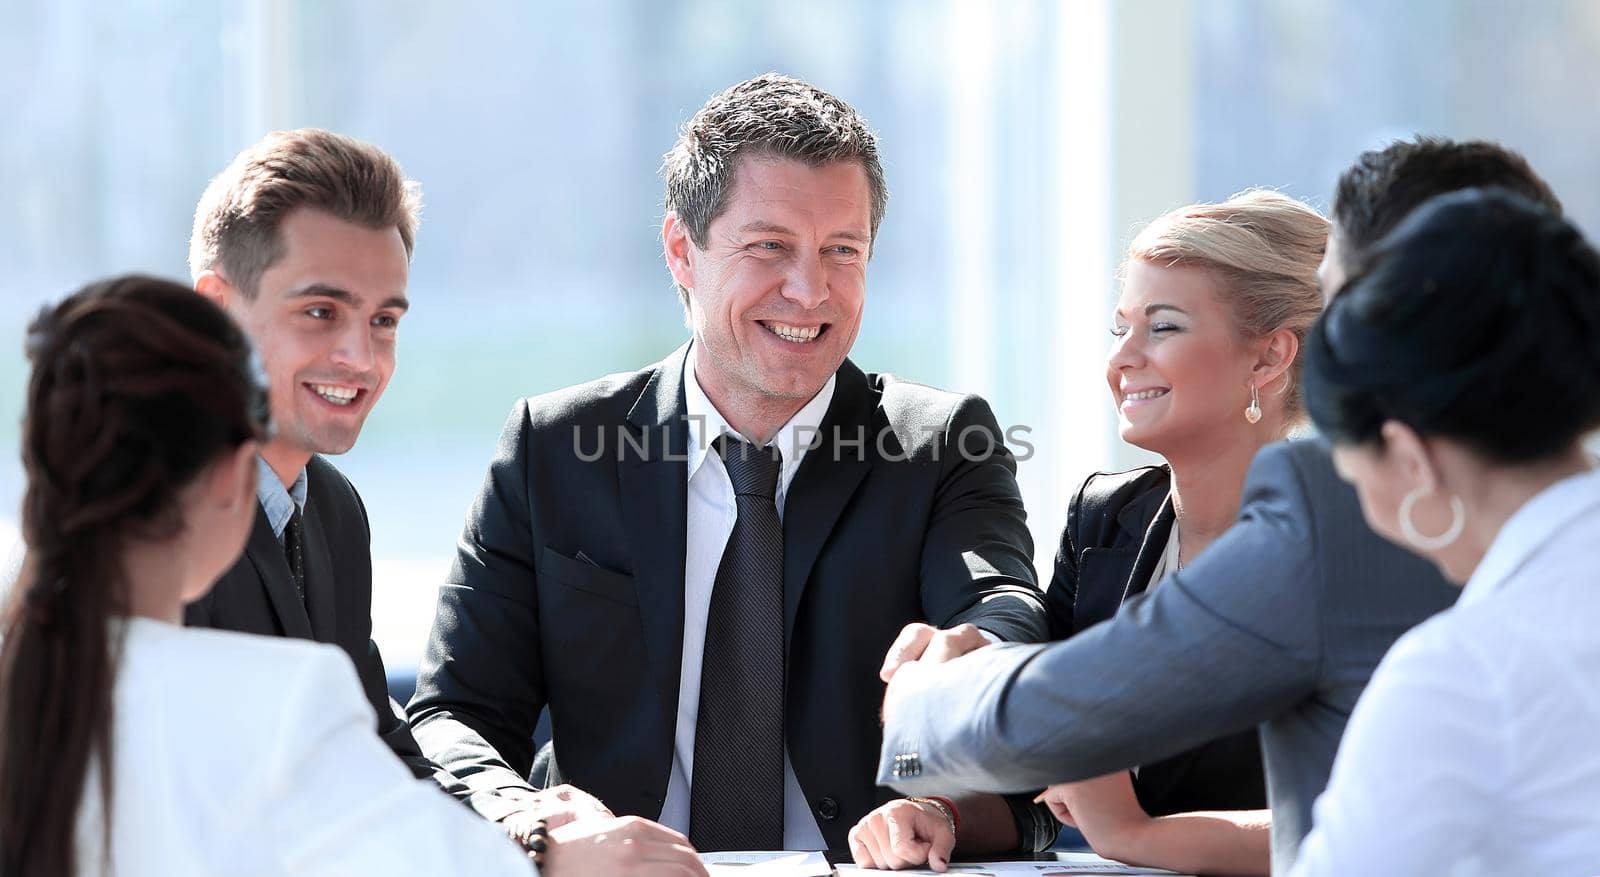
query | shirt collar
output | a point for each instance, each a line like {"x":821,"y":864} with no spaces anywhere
{"x":706,"y":423}
{"x":1529,"y":528}
{"x":277,"y":501}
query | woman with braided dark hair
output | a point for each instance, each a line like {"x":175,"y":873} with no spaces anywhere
{"x":144,"y":415}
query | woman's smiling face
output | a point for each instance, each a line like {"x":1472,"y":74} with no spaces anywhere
{"x":1178,"y":369}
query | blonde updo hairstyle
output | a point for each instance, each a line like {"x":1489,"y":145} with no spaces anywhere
{"x":1263,"y":247}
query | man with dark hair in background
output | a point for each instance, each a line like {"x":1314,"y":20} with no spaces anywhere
{"x":698,"y":566}
{"x":1385,"y":185}
{"x":1280,"y":623}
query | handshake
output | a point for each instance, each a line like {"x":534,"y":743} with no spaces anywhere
{"x":579,"y":835}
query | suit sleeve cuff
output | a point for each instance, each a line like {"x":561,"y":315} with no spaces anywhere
{"x":941,"y":736}
{"x":1009,"y":618}
{"x":1036,"y":828}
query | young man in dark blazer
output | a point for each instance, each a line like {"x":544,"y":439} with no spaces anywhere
{"x":1278,"y":625}
{"x":305,"y":239}
{"x":698,"y":566}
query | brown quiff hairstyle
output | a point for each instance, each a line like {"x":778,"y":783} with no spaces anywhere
{"x":1264,"y":248}
{"x":236,"y":223}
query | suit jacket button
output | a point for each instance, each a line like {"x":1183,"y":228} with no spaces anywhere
{"x":827,"y":809}
{"x":908,"y":764}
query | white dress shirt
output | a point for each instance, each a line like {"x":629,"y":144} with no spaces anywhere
{"x":711,"y":514}
{"x":250,"y":756}
{"x":1169,"y":561}
{"x":1476,"y":748}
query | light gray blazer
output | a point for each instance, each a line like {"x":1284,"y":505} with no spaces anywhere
{"x":1279,"y":623}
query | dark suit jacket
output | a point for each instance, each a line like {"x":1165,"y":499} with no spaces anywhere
{"x":1117,"y":529}
{"x":257,"y":595}
{"x":893,"y":525}
{"x":1278,"y":624}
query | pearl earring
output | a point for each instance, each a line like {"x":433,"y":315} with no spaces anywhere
{"x":1253,"y":413}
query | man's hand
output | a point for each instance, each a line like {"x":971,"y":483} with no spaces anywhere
{"x":923,"y":642}
{"x":903,"y":834}
{"x":555,"y":806}
{"x":905,"y":679}
{"x":629,"y":846}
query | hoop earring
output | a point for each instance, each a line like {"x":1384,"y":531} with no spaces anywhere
{"x":1253,"y":413}
{"x":1458,"y":521}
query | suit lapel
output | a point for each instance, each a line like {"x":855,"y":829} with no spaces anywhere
{"x":321,"y":589}
{"x":1109,"y":575}
{"x":1102,"y":577}
{"x":266,"y":555}
{"x":653,"y":482}
{"x":1154,"y":543}
{"x":821,"y":489}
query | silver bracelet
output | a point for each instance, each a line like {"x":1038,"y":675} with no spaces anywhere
{"x":942,"y":807}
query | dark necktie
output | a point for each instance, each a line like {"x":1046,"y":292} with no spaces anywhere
{"x":736,"y":794}
{"x":294,"y":552}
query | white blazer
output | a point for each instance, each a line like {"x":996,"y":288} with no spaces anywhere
{"x":1476,"y":749}
{"x":244,"y":755}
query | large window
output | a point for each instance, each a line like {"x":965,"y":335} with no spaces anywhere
{"x":1023,"y":141}
{"x":536,"y":131}
{"x":1286,"y":94}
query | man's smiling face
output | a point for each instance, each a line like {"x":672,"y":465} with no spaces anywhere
{"x":775,"y":298}
{"x":324,"y":320}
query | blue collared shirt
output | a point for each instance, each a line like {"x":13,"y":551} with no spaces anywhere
{"x":278,"y":503}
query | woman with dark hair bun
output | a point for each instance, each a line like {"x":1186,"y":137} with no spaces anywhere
{"x":1457,"y":374}
{"x":144,"y":414}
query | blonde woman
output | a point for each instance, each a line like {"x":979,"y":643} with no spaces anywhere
{"x":1216,"y":300}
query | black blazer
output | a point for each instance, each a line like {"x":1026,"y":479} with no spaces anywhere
{"x":567,"y":589}
{"x":1117,"y":529}
{"x":257,"y":595}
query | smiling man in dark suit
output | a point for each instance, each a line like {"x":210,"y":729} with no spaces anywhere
{"x":305,"y":239}
{"x":698,"y":566}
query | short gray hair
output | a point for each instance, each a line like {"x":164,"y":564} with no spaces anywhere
{"x":770,"y":115}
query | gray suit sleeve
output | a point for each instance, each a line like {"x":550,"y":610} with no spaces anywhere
{"x":1227,"y":643}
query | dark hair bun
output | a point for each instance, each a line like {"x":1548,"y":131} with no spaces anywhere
{"x":1477,"y":319}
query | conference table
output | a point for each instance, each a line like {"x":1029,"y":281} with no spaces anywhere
{"x":838,"y":863}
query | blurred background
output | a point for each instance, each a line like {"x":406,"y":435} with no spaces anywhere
{"x":1024,"y":142}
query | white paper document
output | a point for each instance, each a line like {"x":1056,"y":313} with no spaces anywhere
{"x":764,"y":864}
{"x":1069,"y":864}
